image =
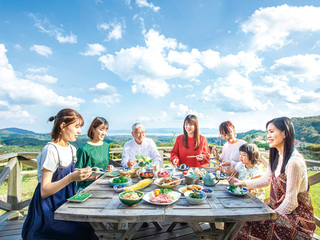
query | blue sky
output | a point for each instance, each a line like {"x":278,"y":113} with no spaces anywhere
{"x":154,"y":62}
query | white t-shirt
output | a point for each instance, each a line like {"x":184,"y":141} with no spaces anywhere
{"x":231,"y":152}
{"x":147,"y":147}
{"x":49,"y":159}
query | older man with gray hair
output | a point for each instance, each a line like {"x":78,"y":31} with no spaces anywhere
{"x":139,"y":144}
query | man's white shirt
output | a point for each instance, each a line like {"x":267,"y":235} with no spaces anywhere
{"x":147,"y":147}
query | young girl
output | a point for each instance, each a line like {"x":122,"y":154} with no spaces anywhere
{"x":247,"y":167}
{"x":94,"y":153}
{"x":56,"y":177}
{"x":289,"y":190}
{"x":230,"y":150}
{"x":191,"y":148}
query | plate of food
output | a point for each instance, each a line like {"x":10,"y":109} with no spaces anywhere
{"x":167,"y":182}
{"x":162,"y":196}
{"x":236,"y":190}
{"x":190,"y":188}
{"x":139,"y":185}
{"x":112,"y":174}
{"x":97,"y":171}
{"x":120,"y":180}
{"x":79,"y":197}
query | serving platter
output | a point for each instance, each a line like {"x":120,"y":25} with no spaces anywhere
{"x":79,"y":197}
{"x":175,"y":195}
{"x":173,"y":184}
{"x":245,"y":191}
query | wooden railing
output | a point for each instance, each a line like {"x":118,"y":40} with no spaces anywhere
{"x":13,"y":171}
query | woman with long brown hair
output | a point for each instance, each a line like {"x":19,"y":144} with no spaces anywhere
{"x":190,"y":148}
{"x":289,"y":190}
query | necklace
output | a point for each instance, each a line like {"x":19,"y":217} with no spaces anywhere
{"x":98,"y":153}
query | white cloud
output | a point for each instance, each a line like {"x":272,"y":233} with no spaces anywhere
{"x":46,"y":27}
{"x":14,"y":113}
{"x":20,"y":91}
{"x":281,"y":91}
{"x":107,"y":94}
{"x":302,"y":67}
{"x":114,"y":29}
{"x":42,"y":78}
{"x":17,"y":46}
{"x":144,"y":3}
{"x":94,"y":49}
{"x":182,"y":110}
{"x":163,"y":116}
{"x":41,"y":49}
{"x":272,"y":26}
{"x":38,"y":70}
{"x":143,"y":119}
{"x":234,"y":93}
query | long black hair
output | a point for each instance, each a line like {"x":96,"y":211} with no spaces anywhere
{"x":283,"y":124}
{"x":191,"y":119}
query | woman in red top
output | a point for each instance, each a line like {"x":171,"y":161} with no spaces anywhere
{"x":190,"y":148}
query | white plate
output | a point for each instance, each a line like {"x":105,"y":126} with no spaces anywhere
{"x":174,"y":194}
{"x":184,"y":188}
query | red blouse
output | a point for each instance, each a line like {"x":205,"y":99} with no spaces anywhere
{"x":181,"y":152}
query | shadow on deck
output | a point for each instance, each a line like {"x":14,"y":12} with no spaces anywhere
{"x":11,"y":230}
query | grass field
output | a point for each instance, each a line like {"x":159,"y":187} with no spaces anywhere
{"x":29,"y":183}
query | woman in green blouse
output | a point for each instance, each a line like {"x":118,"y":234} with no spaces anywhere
{"x":94,"y":153}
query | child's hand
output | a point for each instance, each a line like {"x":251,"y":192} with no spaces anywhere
{"x":231,"y":180}
{"x":219,"y":167}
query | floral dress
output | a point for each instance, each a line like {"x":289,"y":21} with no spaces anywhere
{"x":251,"y":173}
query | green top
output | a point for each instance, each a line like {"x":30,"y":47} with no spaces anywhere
{"x":93,"y":156}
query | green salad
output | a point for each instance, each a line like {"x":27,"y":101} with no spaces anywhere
{"x":195,"y":195}
{"x":236,"y":189}
{"x":120,"y":180}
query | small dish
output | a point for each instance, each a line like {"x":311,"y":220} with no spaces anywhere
{"x":208,"y":191}
{"x":79,"y":197}
{"x":191,"y":188}
{"x":181,"y":168}
{"x":145,"y":175}
{"x":164,"y":173}
{"x":118,"y":188}
{"x":195,"y":200}
{"x":97,"y":171}
{"x":112,"y":174}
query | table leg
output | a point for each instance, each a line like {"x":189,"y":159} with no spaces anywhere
{"x":157,"y":225}
{"x":131,"y":231}
{"x":233,"y":229}
{"x":172,"y":226}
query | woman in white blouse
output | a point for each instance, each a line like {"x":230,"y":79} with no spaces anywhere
{"x":289,"y":191}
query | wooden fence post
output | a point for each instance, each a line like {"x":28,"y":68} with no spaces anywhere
{"x":14,"y":185}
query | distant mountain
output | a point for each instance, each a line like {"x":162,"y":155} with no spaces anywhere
{"x":16,"y":130}
{"x":307,"y":129}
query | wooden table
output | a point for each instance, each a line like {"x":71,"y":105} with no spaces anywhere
{"x":104,"y":207}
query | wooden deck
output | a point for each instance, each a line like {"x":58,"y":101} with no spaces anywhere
{"x":11,"y":230}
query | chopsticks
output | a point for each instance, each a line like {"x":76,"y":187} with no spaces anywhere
{"x":191,"y":156}
{"x":233,"y":174}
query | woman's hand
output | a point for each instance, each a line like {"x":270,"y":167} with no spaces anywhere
{"x":110,"y":167}
{"x":130,"y":164}
{"x":239,"y":183}
{"x":226,"y":163}
{"x":219,"y":167}
{"x":175,"y":162}
{"x":81,"y":174}
{"x":199,"y":157}
{"x":215,"y":152}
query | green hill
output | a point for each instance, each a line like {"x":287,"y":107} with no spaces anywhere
{"x":307,"y":129}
